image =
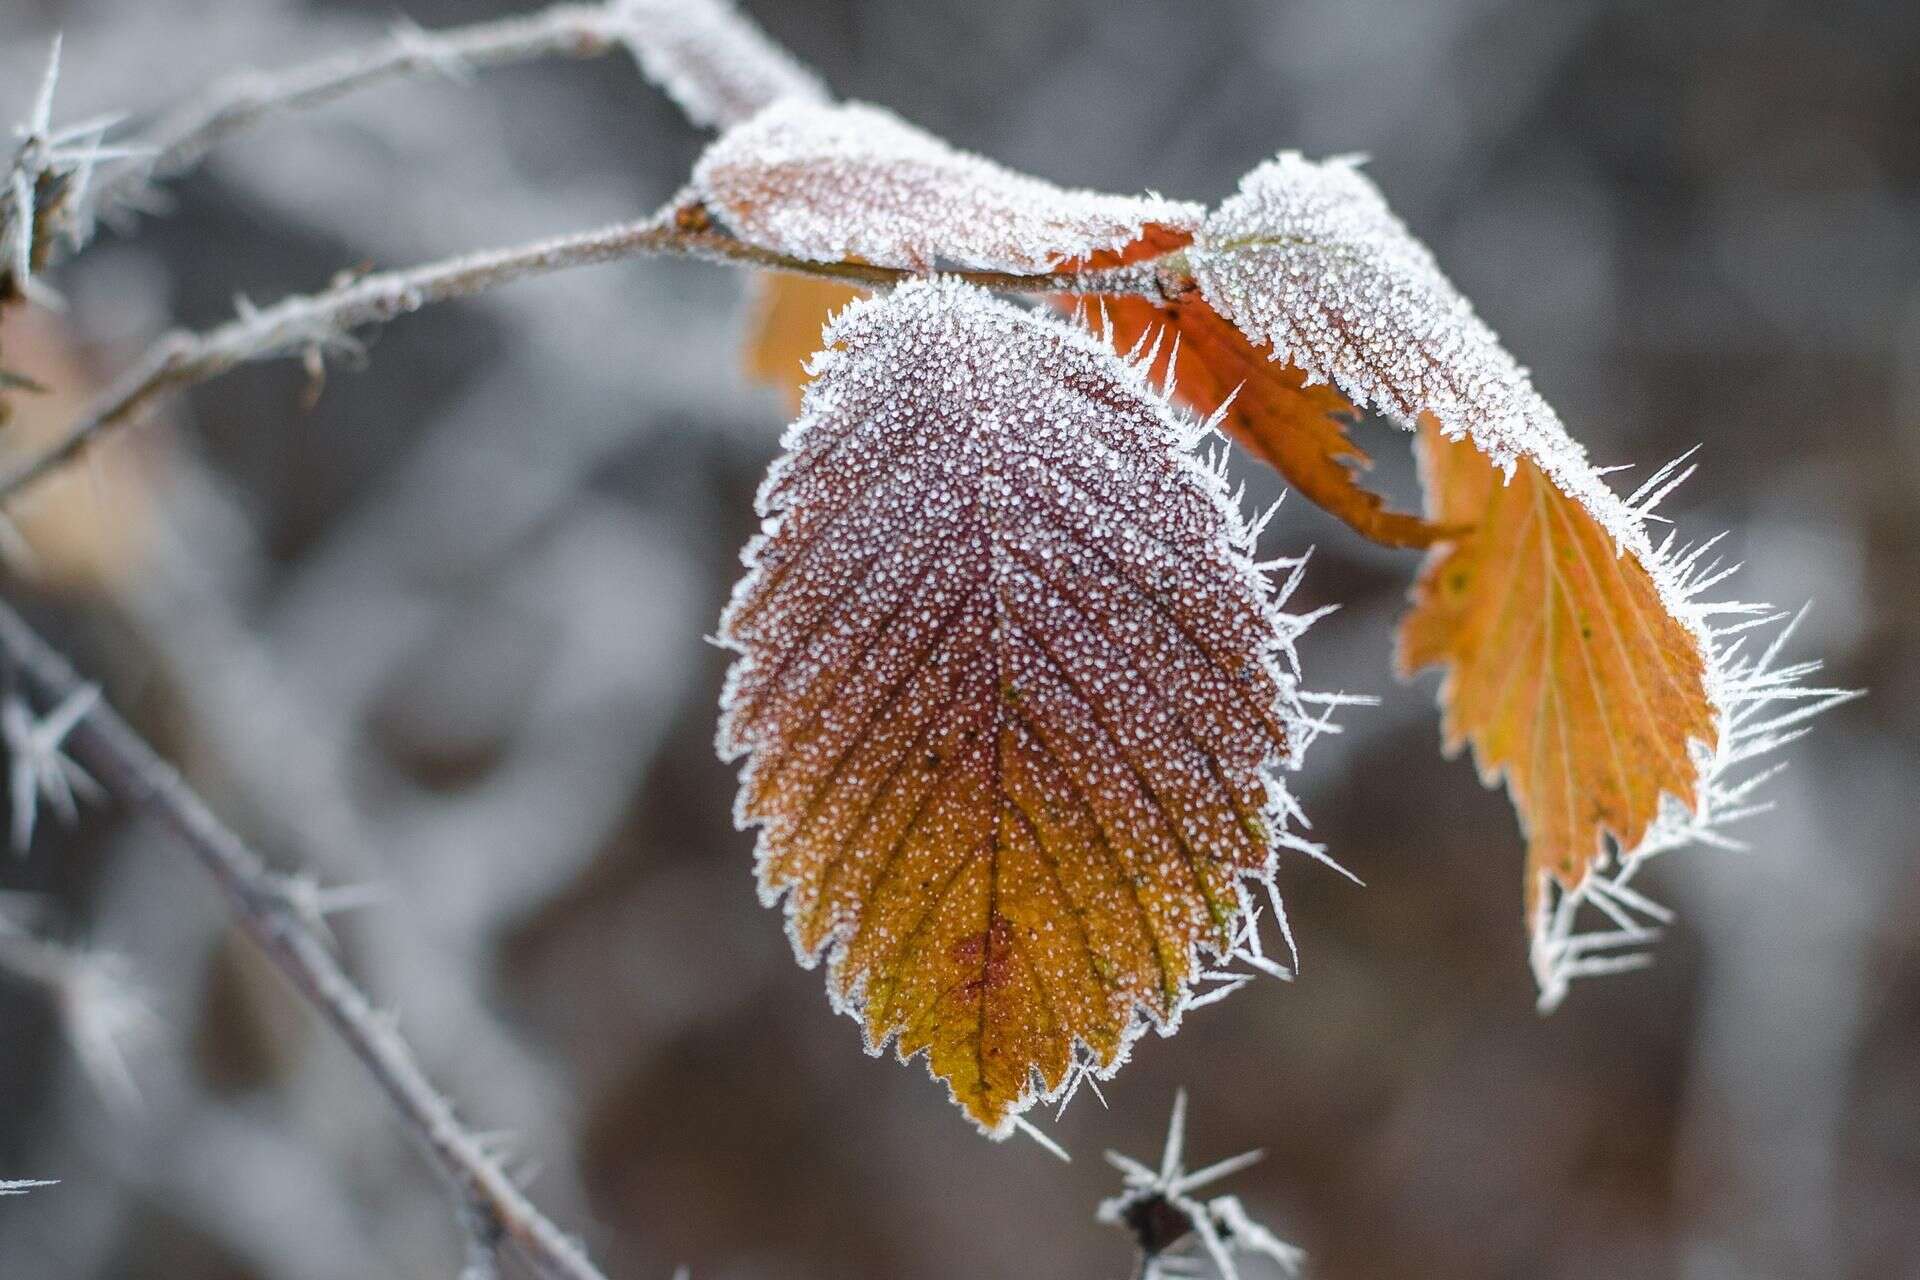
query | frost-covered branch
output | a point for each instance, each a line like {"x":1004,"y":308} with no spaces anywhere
{"x":322,"y":322}
{"x":714,"y":62}
{"x":179,"y":141}
{"x":129,"y":770}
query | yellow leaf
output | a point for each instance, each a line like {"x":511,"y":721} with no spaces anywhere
{"x":788,"y":312}
{"x":1566,"y":671}
{"x":1012,"y":695}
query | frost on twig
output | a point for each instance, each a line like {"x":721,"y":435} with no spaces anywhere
{"x":267,"y":911}
{"x":1167,"y":1221}
{"x":856,"y":182}
{"x":181,"y":139}
{"x":20,"y":1187}
{"x":46,"y":186}
{"x":711,"y":59}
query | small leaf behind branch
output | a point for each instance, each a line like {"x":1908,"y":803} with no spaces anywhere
{"x":787,"y":313}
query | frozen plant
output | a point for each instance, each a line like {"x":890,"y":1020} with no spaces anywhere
{"x":1015,"y":692}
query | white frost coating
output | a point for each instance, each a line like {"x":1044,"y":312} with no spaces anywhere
{"x":712,"y":60}
{"x":982,"y":507}
{"x":833,"y":183}
{"x":1308,"y":259}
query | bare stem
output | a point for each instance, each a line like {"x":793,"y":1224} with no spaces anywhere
{"x":321,"y":321}
{"x":488,"y":1204}
{"x":180,"y":140}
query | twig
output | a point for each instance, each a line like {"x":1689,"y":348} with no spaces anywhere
{"x":322,"y":321}
{"x":487,"y":1201}
{"x":180,"y":140}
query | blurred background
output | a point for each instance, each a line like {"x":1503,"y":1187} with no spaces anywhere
{"x":442,"y":632}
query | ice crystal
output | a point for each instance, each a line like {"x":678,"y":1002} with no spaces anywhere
{"x":1015,"y":695}
{"x":38,"y":765}
{"x":1166,"y":1219}
{"x":21,"y":1187}
{"x":712,"y":60}
{"x":838,"y":183}
{"x":1308,"y":259}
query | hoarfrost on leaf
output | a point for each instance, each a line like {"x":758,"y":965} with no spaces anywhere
{"x":1014,"y":696}
{"x":1585,"y":667}
{"x":852,"y":182}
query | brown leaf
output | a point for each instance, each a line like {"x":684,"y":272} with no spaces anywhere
{"x":1296,"y":427}
{"x":1566,"y":670}
{"x":788,"y":312}
{"x":1011,"y":695}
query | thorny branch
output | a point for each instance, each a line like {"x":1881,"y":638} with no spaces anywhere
{"x":489,"y":1204}
{"x":709,"y":56}
{"x":179,"y":141}
{"x":323,"y":321}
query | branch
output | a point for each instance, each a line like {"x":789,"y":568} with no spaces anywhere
{"x":322,"y":321}
{"x":182,"y":139}
{"x":487,"y":1201}
{"x":712,"y":60}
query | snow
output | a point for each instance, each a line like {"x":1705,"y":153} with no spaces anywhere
{"x":832,"y":183}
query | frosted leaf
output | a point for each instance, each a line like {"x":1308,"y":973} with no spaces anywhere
{"x":1585,"y":667}
{"x":1307,"y":259}
{"x":712,"y":60}
{"x":1013,"y":695}
{"x":855,"y":182}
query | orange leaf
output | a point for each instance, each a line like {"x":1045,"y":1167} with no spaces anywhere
{"x":1567,"y":671}
{"x":1011,"y":693}
{"x":1581,"y":667}
{"x":1296,"y":427}
{"x":788,"y":312}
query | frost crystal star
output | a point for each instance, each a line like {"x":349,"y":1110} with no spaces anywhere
{"x":1159,"y":1209}
{"x":38,"y":765}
